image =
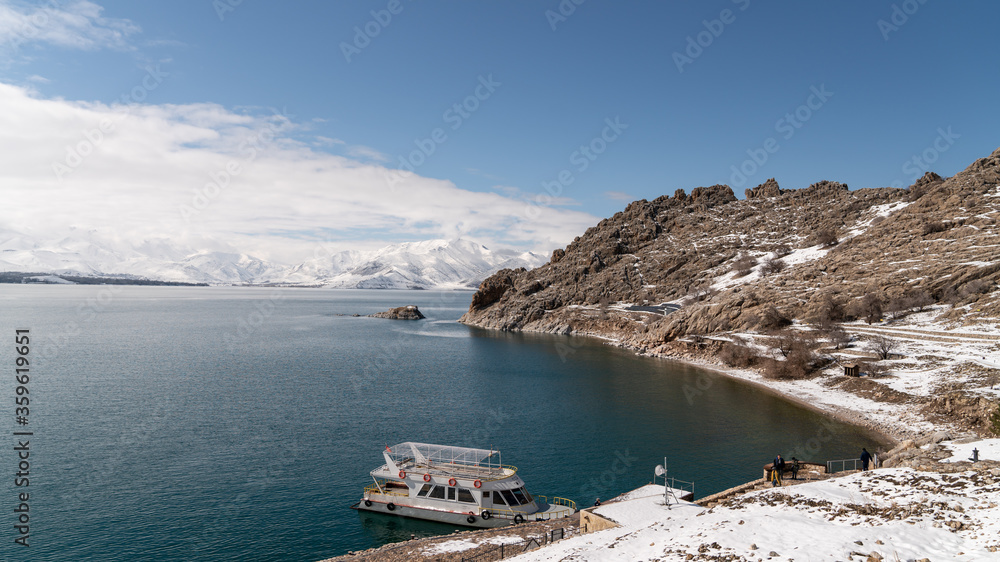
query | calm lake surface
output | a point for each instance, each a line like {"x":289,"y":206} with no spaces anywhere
{"x":177,"y":423}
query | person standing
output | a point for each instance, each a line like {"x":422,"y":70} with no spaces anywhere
{"x":778,"y":468}
{"x":866,"y":458}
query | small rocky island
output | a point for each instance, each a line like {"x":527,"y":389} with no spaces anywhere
{"x":409,"y":312}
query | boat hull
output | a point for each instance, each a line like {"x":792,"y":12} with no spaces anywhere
{"x":449,"y":517}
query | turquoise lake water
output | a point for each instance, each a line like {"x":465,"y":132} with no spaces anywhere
{"x":176,"y":423}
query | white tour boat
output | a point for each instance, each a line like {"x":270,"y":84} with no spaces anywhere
{"x":455,"y":485}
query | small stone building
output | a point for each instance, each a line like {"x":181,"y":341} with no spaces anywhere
{"x":852,"y":370}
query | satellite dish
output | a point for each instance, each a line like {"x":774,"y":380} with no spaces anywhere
{"x":659,"y":470}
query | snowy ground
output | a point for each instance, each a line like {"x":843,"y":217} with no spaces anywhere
{"x":930,"y":358}
{"x":989,"y":449}
{"x":899,"y":513}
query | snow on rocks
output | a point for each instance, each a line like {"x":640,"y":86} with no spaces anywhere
{"x":890,"y":514}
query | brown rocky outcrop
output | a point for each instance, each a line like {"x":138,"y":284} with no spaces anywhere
{"x":409,"y":312}
{"x":767,"y":189}
{"x":939,"y":238}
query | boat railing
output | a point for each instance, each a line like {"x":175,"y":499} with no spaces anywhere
{"x":472,"y":472}
{"x":380,"y":489}
{"x":537,"y":516}
{"x":557,"y":501}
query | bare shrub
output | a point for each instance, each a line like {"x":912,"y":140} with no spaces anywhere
{"x":782,"y":250}
{"x":873,"y":369}
{"x":772,"y":266}
{"x":772,"y":319}
{"x":800,"y":363}
{"x":744,"y":264}
{"x":829,"y":311}
{"x":736,"y":354}
{"x":838,"y":337}
{"x":931,"y":227}
{"x":788,"y":341}
{"x":898,"y":306}
{"x":868,"y":307}
{"x":825,"y":237}
{"x":883,"y":346}
{"x":974,"y":287}
{"x":921,"y":299}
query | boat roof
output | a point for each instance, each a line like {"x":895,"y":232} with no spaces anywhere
{"x":424,"y":453}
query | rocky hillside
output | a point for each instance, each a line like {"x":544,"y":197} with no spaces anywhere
{"x":815,"y":254}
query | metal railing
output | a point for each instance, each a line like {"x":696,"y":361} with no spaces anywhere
{"x":855,"y":464}
{"x":683,"y":486}
{"x":507,"y":550}
{"x":557,"y":501}
{"x":374,"y":490}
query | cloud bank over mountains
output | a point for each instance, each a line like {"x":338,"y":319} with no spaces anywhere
{"x":210,"y":178}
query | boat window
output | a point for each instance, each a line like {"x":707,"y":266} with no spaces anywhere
{"x":437,"y":492}
{"x":423,"y":491}
{"x":497,"y":498}
{"x":451,"y":493}
{"x":486,"y":495}
{"x":464,"y":495}
{"x":509,"y":497}
{"x":519,"y":494}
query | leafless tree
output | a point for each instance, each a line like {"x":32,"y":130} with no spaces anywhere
{"x":883,"y":346}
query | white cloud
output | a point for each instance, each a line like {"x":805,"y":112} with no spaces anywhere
{"x":367,"y":153}
{"x":199,"y":172}
{"x":77,"y":24}
{"x":38,"y":79}
{"x":619,"y":196}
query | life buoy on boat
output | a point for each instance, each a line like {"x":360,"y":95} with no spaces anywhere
{"x":486,"y":514}
{"x":478,"y":483}
{"x":427,"y":478}
{"x":402,"y":474}
{"x":517,"y":518}
{"x":452,"y":482}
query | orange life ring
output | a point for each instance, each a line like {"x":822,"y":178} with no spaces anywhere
{"x":478,"y":483}
{"x":402,"y":474}
{"x":427,"y":478}
{"x":452,"y":482}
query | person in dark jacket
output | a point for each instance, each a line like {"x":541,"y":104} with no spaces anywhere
{"x":778,"y":469}
{"x":866,"y":458}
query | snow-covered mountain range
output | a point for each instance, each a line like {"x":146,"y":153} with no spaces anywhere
{"x":430,"y":264}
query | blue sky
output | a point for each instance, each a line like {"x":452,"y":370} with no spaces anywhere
{"x":602,"y":102}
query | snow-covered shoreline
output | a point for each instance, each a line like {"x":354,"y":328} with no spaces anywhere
{"x":886,"y":514}
{"x":930,"y":358}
